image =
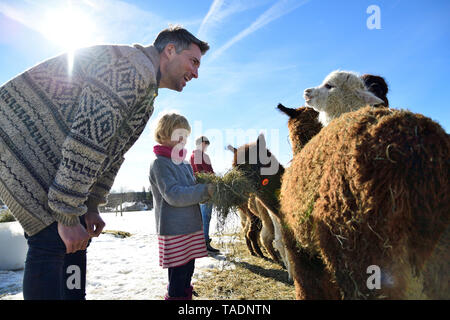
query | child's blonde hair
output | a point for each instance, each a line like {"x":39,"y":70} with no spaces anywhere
{"x":167,"y":124}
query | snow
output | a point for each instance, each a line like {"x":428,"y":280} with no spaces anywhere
{"x":13,"y":246}
{"x":128,"y":268}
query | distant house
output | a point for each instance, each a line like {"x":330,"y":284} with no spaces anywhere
{"x":133,"y":206}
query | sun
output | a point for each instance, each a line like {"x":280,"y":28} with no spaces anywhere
{"x":68,"y":27}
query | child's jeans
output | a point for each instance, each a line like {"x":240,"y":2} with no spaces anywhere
{"x":50,"y":273}
{"x":180,"y":279}
{"x":206,"y":209}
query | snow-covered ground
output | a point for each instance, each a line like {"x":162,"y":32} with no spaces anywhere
{"x":129,"y":268}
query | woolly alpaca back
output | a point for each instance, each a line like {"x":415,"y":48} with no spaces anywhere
{"x":340,"y":92}
{"x":372,"y":188}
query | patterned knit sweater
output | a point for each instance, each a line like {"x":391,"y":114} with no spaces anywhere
{"x":64,"y":131}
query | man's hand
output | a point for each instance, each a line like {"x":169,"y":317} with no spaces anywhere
{"x":94,"y":223}
{"x":75,"y":237}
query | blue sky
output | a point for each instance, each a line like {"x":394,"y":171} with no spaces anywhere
{"x":262,"y":52}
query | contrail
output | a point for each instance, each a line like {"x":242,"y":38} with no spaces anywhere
{"x":213,"y":11}
{"x":278,"y":10}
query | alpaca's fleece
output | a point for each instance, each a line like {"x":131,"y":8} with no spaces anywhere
{"x":251,"y":228}
{"x":267,"y":235}
{"x":372,"y":188}
{"x":340,"y":92}
{"x":308,"y":271}
{"x":278,"y":243}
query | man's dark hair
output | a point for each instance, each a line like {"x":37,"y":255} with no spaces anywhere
{"x":180,"y":37}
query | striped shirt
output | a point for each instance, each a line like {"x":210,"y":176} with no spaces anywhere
{"x":175,"y":251}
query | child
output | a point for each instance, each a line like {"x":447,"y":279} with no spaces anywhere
{"x":178,"y":216}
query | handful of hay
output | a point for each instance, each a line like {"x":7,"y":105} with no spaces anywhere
{"x":232,"y":190}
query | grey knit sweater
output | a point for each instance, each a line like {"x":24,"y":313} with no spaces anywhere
{"x":176,"y":196}
{"x":63,"y":134}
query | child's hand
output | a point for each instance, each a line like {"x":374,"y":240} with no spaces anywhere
{"x":211,"y":189}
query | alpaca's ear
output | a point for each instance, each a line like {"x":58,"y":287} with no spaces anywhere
{"x":369,"y":98}
{"x":261,"y":142}
{"x":292,"y":113}
{"x":231,"y":148}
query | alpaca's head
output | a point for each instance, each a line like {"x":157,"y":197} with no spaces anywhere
{"x":303,"y":124}
{"x":255,"y":157}
{"x":260,"y":166}
{"x":340,"y":92}
{"x":378,"y":86}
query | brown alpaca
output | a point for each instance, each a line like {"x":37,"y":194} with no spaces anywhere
{"x":372,"y":189}
{"x":251,"y":228}
{"x":308,"y":271}
{"x":255,"y":208}
{"x":303,"y":124}
{"x":267,"y":231}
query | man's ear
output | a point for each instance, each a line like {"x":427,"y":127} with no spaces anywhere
{"x":170,"y":50}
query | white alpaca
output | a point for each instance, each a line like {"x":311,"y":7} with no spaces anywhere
{"x":340,"y":92}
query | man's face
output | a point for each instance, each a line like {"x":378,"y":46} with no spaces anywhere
{"x":182,"y":67}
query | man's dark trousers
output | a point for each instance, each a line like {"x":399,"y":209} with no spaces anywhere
{"x":50,"y":273}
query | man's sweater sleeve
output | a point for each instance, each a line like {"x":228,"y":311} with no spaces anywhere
{"x":101,"y":113}
{"x":100,"y":190}
{"x":173,"y":193}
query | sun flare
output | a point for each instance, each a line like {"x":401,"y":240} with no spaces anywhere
{"x":68,"y":27}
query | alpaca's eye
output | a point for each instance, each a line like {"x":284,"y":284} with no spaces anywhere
{"x":328,"y":86}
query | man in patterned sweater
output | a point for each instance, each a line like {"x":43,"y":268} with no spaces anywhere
{"x":63,"y":135}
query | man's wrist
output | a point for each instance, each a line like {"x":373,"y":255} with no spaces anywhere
{"x":92,"y":205}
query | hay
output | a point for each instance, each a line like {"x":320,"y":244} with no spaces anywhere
{"x":232,"y":190}
{"x":244,"y":277}
{"x":117,"y":233}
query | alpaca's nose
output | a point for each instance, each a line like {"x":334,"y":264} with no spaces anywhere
{"x":307,"y":93}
